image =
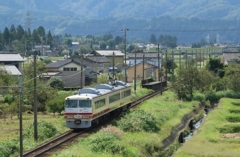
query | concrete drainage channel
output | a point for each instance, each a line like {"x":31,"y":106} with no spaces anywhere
{"x":178,"y":135}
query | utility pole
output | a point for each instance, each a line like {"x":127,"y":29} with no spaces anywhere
{"x":125,"y":51}
{"x":20,"y":116}
{"x":161,"y":72}
{"x":158,"y":65}
{"x":166,"y":67}
{"x":135,"y":71}
{"x":81,"y":73}
{"x":35,"y":100}
{"x":143,"y":66}
{"x":113,"y":66}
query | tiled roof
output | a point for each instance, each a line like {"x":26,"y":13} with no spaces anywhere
{"x":11,"y":69}
{"x":147,"y":55}
{"x":5,"y":57}
{"x":60,"y":63}
{"x":98,"y":59}
{"x":231,"y":56}
{"x":110,"y":52}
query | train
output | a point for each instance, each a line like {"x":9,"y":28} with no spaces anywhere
{"x":90,"y":105}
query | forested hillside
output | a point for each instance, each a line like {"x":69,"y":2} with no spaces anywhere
{"x":190,"y":21}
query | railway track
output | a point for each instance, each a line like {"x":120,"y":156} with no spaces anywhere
{"x":57,"y":143}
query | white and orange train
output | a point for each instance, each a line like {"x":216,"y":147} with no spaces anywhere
{"x":90,"y":105}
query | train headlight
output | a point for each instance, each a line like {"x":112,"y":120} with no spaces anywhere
{"x":85,"y":117}
{"x":69,"y":117}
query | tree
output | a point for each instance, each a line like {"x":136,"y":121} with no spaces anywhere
{"x":204,"y":79}
{"x":111,"y":43}
{"x":49,"y":39}
{"x":153,"y":39}
{"x":36,"y":37}
{"x":20,"y":32}
{"x":13,"y":32}
{"x":6,"y":36}
{"x":103,"y":45}
{"x":185,"y":82}
{"x":232,"y":75}
{"x":130,"y":48}
{"x":41,"y":32}
{"x":214,"y":64}
{"x":118,"y":40}
{"x":56,"y":83}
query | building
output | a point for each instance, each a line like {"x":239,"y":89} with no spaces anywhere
{"x":150,"y":57}
{"x":150,"y":71}
{"x":118,"y":57}
{"x":13,"y":59}
{"x":231,"y":58}
{"x":68,"y":71}
{"x":97,"y":63}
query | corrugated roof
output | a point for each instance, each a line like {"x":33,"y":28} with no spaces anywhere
{"x":11,"y":69}
{"x":98,"y":59}
{"x":5,"y":57}
{"x":60,"y":63}
{"x":147,"y":55}
{"x":231,"y":56}
{"x":110,"y":52}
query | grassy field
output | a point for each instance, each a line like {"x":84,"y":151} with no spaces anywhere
{"x":219,"y":136}
{"x":167,"y":112}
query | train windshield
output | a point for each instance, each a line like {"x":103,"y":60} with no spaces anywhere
{"x":85,"y":103}
{"x":71,"y":103}
{"x":78,"y":103}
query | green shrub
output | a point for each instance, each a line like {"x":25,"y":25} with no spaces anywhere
{"x":199,"y":97}
{"x":138,"y":120}
{"x":8,"y":98}
{"x":230,"y":129}
{"x":7,"y":148}
{"x":213,"y":97}
{"x":233,"y":119}
{"x":45,"y":130}
{"x":235,"y":111}
{"x":106,"y":141}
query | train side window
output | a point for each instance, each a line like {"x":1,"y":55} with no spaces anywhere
{"x":100,"y":103}
{"x":126,"y":93}
{"x":114,"y":97}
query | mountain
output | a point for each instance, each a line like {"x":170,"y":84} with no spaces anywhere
{"x":81,"y":17}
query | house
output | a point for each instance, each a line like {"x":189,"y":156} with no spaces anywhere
{"x":67,"y":70}
{"x":118,"y":57}
{"x":12,"y":58}
{"x":44,"y":49}
{"x":150,"y":71}
{"x":229,"y":58}
{"x":150,"y":57}
{"x":97,"y":63}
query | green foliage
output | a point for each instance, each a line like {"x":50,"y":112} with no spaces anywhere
{"x":233,"y":119}
{"x":214,"y":64}
{"x":234,"y":128}
{"x":137,"y":120}
{"x":152,"y":148}
{"x":199,"y":97}
{"x":7,"y":148}
{"x":8,"y":98}
{"x":45,"y":131}
{"x":56,"y":83}
{"x":106,"y":141}
{"x":214,"y":97}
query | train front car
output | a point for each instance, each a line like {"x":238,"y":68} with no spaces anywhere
{"x":78,"y":111}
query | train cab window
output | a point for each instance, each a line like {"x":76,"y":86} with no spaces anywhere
{"x":85,"y":103}
{"x":71,"y":104}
